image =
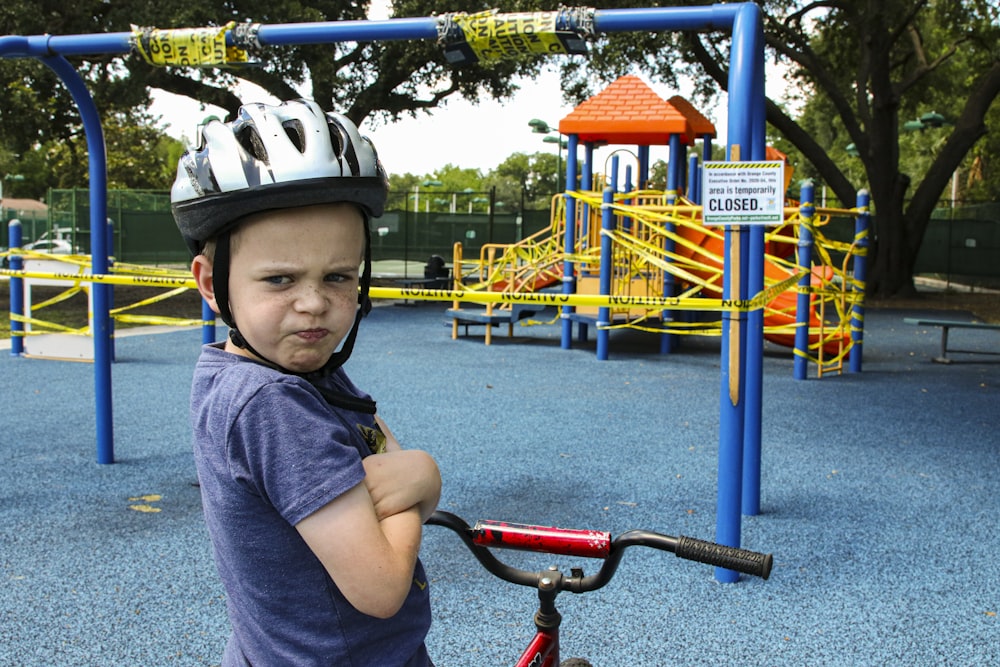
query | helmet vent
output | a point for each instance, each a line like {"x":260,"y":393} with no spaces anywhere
{"x":296,"y":134}
{"x":336,"y":140}
{"x":249,"y":138}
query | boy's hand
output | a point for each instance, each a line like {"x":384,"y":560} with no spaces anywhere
{"x":401,"y":480}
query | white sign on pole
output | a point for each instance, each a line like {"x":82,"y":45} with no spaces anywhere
{"x":743,"y":193}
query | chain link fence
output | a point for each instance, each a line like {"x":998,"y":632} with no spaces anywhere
{"x":961,"y":245}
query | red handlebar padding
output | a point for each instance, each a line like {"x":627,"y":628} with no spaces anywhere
{"x":567,"y":542}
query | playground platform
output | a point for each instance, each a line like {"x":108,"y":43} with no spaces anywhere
{"x":879,"y":499}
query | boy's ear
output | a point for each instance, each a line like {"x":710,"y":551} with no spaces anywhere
{"x":201,"y":269}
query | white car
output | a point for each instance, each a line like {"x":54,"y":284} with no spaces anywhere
{"x":51,"y":246}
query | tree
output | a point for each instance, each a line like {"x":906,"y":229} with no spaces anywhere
{"x":138,"y":156}
{"x":865,"y":67}
{"x":447,"y":189}
{"x":533,"y":175}
{"x":386,"y":79}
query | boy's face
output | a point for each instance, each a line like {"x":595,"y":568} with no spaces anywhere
{"x":293,"y":282}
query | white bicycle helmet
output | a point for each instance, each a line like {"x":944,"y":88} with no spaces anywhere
{"x":269,"y":157}
{"x":273,"y":157}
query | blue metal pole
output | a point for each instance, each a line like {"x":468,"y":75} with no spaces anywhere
{"x":98,"y":250}
{"x":110,"y":245}
{"x":753,"y":426}
{"x":208,"y":326}
{"x":15,"y":240}
{"x":626,"y":222}
{"x":674,"y":167}
{"x":349,"y":31}
{"x":744,"y":88}
{"x":606,"y":20}
{"x":862,"y":242}
{"x":586,"y":184}
{"x":667,"y":18}
{"x":802,"y":307}
{"x":604,"y":313}
{"x":718,"y":16}
{"x":692,"y":184}
{"x":642,"y":178}
{"x":583,"y":233}
{"x":668,"y":342}
{"x":569,"y":241}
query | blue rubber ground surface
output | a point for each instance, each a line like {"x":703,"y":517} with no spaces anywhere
{"x":880,"y":499}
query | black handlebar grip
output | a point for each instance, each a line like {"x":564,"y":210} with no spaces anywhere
{"x":731,"y":558}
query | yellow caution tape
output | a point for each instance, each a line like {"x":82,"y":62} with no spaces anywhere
{"x":187,"y":47}
{"x":45,"y":327}
{"x":107,"y":279}
{"x":490,"y":35}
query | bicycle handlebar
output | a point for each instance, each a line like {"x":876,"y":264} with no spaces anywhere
{"x":589,"y":544}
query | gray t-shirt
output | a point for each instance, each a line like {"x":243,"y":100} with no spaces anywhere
{"x":270,"y":451}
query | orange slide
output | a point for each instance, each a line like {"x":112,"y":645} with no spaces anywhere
{"x":780,"y":311}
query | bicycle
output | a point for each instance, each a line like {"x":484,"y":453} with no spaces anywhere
{"x":543,"y":650}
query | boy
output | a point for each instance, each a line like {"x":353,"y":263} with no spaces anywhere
{"x":314,"y":510}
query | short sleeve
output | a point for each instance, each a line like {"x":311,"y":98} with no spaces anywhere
{"x":292,"y":449}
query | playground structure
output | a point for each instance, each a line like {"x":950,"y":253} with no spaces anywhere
{"x":631,"y":242}
{"x":742,"y":259}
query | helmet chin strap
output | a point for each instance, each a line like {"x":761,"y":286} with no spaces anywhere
{"x":220,"y":280}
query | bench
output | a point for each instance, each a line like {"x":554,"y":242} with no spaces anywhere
{"x":491,"y":317}
{"x":952,"y":324}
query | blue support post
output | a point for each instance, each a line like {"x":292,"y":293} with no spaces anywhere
{"x":98,"y":251}
{"x":745,"y":133}
{"x":626,"y":223}
{"x":208,"y":324}
{"x":753,"y":427}
{"x":642,"y":178}
{"x":569,"y":240}
{"x":111,"y":289}
{"x":862,"y":242}
{"x":674,"y":168}
{"x":668,"y":342}
{"x":586,"y":184}
{"x":803,"y":306}
{"x":753,"y":411}
{"x":16,"y":263}
{"x":692,"y":187}
{"x":731,"y":403}
{"x":604,"y":313}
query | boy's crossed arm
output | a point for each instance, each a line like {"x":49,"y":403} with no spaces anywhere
{"x":368,"y":538}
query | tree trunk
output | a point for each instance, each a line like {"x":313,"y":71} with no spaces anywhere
{"x":892,"y":262}
{"x":893,"y":252}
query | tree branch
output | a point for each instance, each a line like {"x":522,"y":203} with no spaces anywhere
{"x":923,"y":68}
{"x":812,"y":150}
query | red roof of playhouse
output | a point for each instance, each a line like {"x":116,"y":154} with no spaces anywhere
{"x":627,"y":112}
